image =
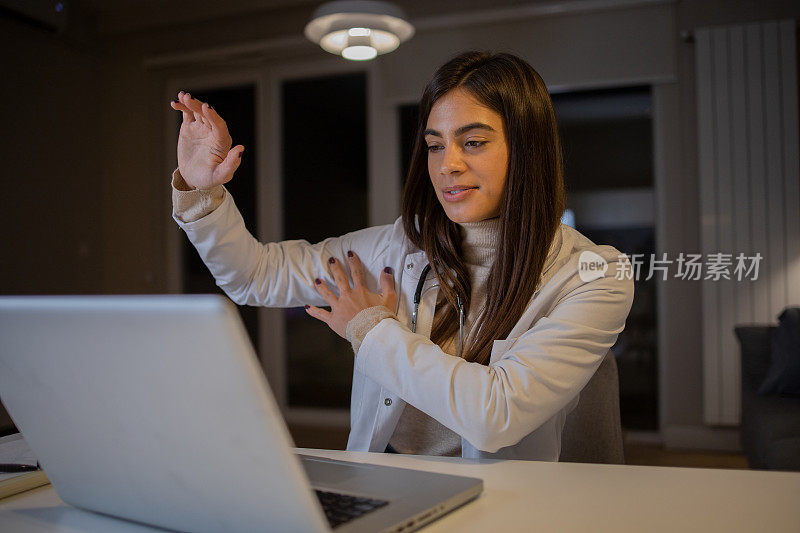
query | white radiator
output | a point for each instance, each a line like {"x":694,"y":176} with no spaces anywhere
{"x":747,"y":122}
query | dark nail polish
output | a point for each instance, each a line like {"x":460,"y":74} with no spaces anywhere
{"x":307,"y":306}
{"x":174,"y":101}
{"x":331,"y":260}
{"x":240,"y":154}
{"x":318,"y":281}
{"x":388,"y":270}
{"x":350,"y":253}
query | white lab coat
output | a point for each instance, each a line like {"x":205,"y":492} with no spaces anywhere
{"x":514,"y":408}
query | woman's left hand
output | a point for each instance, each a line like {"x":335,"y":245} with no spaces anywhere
{"x":353,"y":300}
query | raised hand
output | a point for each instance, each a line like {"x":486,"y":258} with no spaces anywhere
{"x":205,"y":156}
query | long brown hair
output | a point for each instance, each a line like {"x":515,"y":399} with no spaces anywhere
{"x":531,"y":207}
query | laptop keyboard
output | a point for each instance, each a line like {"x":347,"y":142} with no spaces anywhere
{"x":341,"y":508}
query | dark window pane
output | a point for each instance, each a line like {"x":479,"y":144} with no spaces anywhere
{"x":324,"y":195}
{"x":608,"y":146}
{"x":607,"y":138}
{"x":409,"y":115}
{"x":636,"y":347}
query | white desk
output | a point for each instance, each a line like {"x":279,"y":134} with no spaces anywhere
{"x":531,"y":495}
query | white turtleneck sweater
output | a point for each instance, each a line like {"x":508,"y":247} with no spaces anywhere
{"x":416,"y":433}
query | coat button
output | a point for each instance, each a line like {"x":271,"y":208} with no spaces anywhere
{"x":410,"y":266}
{"x":387,"y":402}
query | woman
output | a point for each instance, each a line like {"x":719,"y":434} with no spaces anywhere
{"x":481,"y":342}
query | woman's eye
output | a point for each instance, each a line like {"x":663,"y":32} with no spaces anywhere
{"x":471,"y":144}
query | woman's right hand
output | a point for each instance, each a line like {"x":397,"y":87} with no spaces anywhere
{"x":205,"y":156}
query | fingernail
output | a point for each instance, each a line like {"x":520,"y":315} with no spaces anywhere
{"x":210,"y":107}
{"x":388,"y":270}
{"x":349,"y":253}
{"x":307,"y":306}
{"x":174,"y":101}
{"x":331,"y":260}
{"x":240,"y":154}
{"x":318,"y":281}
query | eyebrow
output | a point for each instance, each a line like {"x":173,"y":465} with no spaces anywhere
{"x":462,"y":129}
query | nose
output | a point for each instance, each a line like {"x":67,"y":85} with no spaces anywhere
{"x":451,"y":160}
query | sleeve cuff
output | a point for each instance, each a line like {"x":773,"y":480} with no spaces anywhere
{"x":365,"y":320}
{"x":189,"y":204}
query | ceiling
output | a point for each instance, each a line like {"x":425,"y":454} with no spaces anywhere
{"x":102,"y":6}
{"x":124,"y":16}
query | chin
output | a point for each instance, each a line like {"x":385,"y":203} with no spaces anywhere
{"x":462,"y":217}
{"x":464,"y":212}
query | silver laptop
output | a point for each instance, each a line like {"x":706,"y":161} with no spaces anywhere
{"x":155,"y":409}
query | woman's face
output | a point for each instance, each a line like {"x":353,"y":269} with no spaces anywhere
{"x":467,"y":154}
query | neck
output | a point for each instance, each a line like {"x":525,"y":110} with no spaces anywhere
{"x":480,"y":239}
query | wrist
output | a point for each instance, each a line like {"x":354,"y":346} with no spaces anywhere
{"x":179,"y":182}
{"x":366,"y":319}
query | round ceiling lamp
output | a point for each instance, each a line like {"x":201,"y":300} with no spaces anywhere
{"x":358,"y":30}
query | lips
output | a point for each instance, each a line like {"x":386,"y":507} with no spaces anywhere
{"x":457,"y":193}
{"x":457,"y":188}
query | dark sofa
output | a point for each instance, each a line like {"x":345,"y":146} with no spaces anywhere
{"x":770,"y":429}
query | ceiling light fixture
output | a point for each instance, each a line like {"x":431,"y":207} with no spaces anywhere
{"x":358,"y":30}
